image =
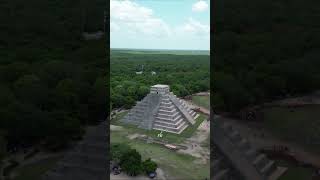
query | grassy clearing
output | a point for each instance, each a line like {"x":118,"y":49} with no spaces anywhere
{"x":203,"y":101}
{"x":172,"y":138}
{"x":34,"y":171}
{"x":300,"y":125}
{"x":174,"y":164}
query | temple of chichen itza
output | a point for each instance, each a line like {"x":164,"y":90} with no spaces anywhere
{"x":161,"y":110}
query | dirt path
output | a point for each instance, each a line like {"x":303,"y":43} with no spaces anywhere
{"x":259,"y":137}
{"x":195,"y":144}
{"x":115,"y":128}
{"x":194,"y":106}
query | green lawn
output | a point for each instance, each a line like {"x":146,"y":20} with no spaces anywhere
{"x":203,"y":101}
{"x":36,"y":170}
{"x":300,"y":125}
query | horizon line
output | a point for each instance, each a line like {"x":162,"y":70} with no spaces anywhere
{"x":164,"y":49}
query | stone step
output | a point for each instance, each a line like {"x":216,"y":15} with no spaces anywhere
{"x":251,"y":154}
{"x":173,"y":116}
{"x":164,"y":119}
{"x":166,"y":103}
{"x":183,"y":128}
{"x":278,"y":172}
{"x":163,"y":123}
{"x":221,"y":175}
{"x":172,"y":131}
{"x":259,"y":160}
{"x":170,"y":111}
{"x":166,"y":113}
{"x":168,"y":127}
{"x":268,"y":168}
{"x":172,"y":121}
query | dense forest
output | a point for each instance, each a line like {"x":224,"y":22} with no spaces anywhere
{"x":264,"y":50}
{"x":52,"y":80}
{"x":185,"y":74}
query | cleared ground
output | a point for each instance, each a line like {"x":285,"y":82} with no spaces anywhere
{"x":203,"y":101}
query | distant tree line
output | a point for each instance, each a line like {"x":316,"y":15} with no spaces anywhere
{"x":185,"y":74}
{"x":263,"y":51}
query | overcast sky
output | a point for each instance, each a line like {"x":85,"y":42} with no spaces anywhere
{"x":160,"y":24}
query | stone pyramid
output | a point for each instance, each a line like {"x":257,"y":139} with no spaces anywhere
{"x":161,"y":110}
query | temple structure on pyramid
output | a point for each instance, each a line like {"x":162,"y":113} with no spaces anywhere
{"x":161,"y":110}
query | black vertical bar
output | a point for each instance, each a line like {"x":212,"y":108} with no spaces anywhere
{"x":107,"y":38}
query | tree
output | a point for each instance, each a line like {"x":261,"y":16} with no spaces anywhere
{"x":117,"y":150}
{"x":29,"y":88}
{"x":66,"y":95}
{"x":142,"y":91}
{"x":130,"y":162}
{"x":149,"y":166}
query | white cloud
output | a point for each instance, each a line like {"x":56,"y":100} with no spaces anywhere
{"x":127,"y":14}
{"x":200,"y":6}
{"x":193,"y":27}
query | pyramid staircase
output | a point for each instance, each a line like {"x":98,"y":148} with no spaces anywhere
{"x":246,"y":159}
{"x":164,"y":112}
